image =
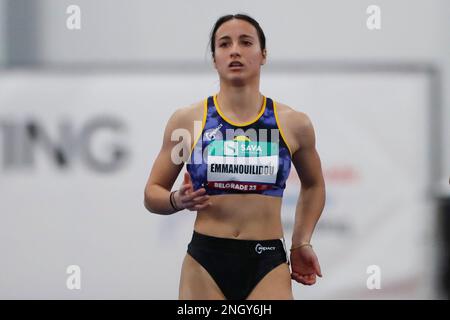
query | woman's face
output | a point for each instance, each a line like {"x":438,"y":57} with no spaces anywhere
{"x":237,"y":41}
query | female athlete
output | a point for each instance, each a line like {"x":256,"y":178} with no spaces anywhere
{"x":236,"y":172}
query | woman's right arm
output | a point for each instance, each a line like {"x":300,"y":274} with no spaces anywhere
{"x":164,"y":171}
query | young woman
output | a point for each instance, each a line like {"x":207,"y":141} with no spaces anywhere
{"x":236,"y":174}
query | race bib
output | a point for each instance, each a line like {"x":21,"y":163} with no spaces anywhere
{"x":240,"y":165}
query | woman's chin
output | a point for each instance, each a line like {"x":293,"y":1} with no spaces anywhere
{"x":237,"y":80}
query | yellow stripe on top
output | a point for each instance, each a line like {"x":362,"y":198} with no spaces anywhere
{"x":240,"y":124}
{"x":279,"y":127}
{"x":205,"y":112}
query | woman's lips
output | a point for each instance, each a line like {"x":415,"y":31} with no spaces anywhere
{"x":236,"y":67}
{"x":236,"y":64}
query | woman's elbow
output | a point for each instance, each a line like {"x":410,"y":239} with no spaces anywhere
{"x":148,"y":200}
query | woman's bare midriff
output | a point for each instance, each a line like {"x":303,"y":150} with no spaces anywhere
{"x":241,"y":216}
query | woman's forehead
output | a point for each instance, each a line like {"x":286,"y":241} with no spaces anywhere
{"x":236,"y":28}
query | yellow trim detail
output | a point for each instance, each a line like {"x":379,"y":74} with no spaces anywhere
{"x":240,"y":124}
{"x":205,"y":112}
{"x":279,"y":127}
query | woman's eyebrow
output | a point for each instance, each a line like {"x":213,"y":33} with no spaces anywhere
{"x":241,"y":36}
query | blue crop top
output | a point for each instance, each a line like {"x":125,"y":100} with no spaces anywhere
{"x":250,"y":157}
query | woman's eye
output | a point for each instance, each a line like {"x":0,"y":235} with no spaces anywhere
{"x":224,"y":44}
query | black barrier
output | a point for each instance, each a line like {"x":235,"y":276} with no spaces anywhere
{"x":170,"y":309}
{"x":444,"y":227}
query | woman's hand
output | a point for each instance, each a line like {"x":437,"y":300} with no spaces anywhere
{"x":186,"y":198}
{"x":305,"y":265}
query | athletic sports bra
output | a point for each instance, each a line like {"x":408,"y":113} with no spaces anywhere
{"x":250,"y":157}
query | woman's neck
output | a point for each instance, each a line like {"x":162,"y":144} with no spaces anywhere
{"x":240,"y":103}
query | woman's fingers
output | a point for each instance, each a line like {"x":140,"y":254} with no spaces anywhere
{"x":304,"y":279}
{"x":201,"y":199}
{"x":187,"y":195}
{"x":192,"y":195}
{"x":317,"y":268}
{"x":299,"y":279}
{"x":196,"y":203}
{"x":311,"y":278}
{"x":189,"y":204}
{"x":190,"y":199}
{"x":183,"y":189}
{"x":186,"y":187}
{"x":196,"y":206}
{"x":187,"y":178}
{"x":202,"y":206}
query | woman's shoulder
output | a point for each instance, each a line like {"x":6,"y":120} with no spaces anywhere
{"x":292,"y":117}
{"x":294,"y":123}
{"x":185,"y":115}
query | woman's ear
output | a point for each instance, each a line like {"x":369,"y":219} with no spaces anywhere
{"x":264,"y":55}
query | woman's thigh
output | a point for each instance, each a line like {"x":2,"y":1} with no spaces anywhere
{"x":196,"y":283}
{"x":276,"y":285}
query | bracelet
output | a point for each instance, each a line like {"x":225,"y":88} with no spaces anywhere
{"x":172,"y":201}
{"x":305,"y":244}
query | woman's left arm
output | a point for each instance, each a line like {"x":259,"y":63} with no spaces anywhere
{"x":311,"y":201}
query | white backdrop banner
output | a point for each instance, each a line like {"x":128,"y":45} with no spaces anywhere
{"x":76,"y":151}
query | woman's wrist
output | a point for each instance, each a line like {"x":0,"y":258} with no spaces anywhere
{"x":300,"y":245}
{"x":173,"y":201}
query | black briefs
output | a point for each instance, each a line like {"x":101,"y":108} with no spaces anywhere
{"x":236,"y":265}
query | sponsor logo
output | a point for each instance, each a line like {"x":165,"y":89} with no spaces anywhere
{"x":99,"y":143}
{"x":231,"y":148}
{"x":259,"y":248}
{"x":242,"y":148}
{"x":211,"y":133}
{"x":251,"y":149}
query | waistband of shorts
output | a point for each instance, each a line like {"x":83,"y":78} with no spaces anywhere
{"x":238,"y":246}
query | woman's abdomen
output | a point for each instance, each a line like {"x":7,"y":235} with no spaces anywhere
{"x":249,"y":216}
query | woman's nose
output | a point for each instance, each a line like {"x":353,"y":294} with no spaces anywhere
{"x":235,"y":50}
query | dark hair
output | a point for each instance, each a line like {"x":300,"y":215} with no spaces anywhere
{"x":223,"y":19}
